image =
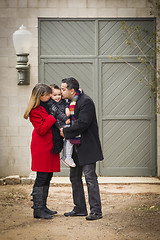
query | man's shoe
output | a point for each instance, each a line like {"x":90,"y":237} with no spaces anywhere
{"x":74,"y":214}
{"x":94,"y":216}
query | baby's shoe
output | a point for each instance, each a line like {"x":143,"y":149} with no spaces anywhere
{"x":63,"y":161}
{"x":69,"y":162}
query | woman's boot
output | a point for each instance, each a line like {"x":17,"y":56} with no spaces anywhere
{"x":38,"y":206}
{"x":45,"y":195}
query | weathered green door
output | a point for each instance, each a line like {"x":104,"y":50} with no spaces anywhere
{"x":126,"y":114}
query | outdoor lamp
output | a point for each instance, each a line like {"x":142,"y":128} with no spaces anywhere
{"x":22,"y":39}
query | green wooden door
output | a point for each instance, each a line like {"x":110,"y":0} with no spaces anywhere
{"x":82,"y":49}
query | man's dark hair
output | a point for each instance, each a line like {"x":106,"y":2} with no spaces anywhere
{"x":72,"y":83}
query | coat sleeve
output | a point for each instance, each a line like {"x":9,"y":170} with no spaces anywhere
{"x":53,"y":110}
{"x":61,"y":116}
{"x":85,"y":116}
{"x":42,"y":122}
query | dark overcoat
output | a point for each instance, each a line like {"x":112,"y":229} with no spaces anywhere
{"x":89,"y":151}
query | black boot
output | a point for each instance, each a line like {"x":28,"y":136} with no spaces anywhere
{"x":38,"y":208}
{"x":45,"y":195}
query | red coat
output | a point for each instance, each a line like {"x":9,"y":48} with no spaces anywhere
{"x":43,"y":159}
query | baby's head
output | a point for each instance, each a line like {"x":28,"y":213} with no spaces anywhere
{"x":56,"y":92}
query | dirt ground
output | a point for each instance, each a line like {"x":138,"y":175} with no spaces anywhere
{"x":130,"y":212}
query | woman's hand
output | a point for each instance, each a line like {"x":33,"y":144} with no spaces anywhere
{"x":61,"y":132}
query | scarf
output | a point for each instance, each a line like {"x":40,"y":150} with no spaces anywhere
{"x":76,"y":140}
{"x":57,"y":139}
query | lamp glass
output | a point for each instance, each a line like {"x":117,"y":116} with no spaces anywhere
{"x":22,"y":39}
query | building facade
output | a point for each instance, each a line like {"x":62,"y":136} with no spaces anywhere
{"x":77,"y":38}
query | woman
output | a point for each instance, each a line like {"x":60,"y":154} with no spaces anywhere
{"x":44,"y":160}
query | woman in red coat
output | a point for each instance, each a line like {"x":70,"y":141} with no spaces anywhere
{"x":44,"y":160}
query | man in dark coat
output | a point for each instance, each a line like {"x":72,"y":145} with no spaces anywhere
{"x":86,"y":154}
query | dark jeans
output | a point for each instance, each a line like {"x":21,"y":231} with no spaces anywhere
{"x":92,"y":187}
{"x":43,"y":179}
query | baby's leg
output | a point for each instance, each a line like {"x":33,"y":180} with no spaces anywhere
{"x":64,"y":150}
{"x":69,"y":149}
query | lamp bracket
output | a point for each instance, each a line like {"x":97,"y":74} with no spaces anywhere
{"x":23,"y":69}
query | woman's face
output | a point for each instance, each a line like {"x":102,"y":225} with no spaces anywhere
{"x":45,"y":98}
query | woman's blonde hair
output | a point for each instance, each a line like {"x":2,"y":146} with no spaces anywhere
{"x":38,"y":91}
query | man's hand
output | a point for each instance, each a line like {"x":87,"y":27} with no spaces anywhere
{"x":68,"y":121}
{"x":61,"y":132}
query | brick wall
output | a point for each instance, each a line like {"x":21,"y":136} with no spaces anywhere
{"x":15,"y":132}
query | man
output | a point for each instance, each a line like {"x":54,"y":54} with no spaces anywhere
{"x":86,"y":153}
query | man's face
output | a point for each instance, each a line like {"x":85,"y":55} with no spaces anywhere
{"x":66,"y":93}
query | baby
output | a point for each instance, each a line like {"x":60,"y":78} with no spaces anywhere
{"x":60,"y":108}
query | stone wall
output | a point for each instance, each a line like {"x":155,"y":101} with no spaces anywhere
{"x":15,"y":132}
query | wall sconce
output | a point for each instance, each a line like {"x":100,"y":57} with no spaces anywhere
{"x":22,"y":39}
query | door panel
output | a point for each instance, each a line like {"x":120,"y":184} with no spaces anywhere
{"x":127,"y":147}
{"x":54,"y":72}
{"x":112,"y":41}
{"x":127,"y":115}
{"x":67,"y":37}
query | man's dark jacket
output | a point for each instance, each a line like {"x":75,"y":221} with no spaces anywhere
{"x":89,"y":151}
